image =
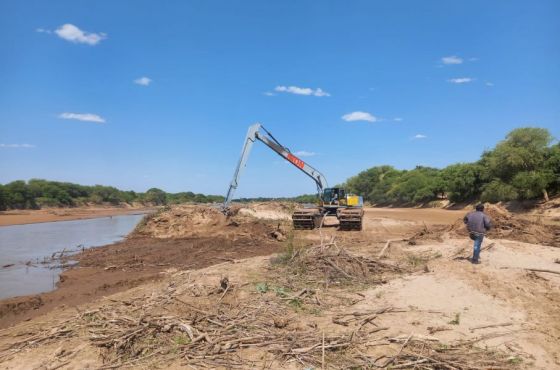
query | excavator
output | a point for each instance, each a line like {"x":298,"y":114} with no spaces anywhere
{"x":348,"y":208}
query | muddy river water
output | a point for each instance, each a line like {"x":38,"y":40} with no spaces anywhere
{"x":25,"y":250}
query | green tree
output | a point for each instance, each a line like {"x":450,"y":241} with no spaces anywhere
{"x":3,"y":198}
{"x":416,"y":186}
{"x":19,"y":196}
{"x":373,"y":184}
{"x":519,"y":161}
{"x":532,"y":184}
{"x":524,"y":149}
{"x":102,"y":194}
{"x":552,"y":165}
{"x":49,"y":193}
{"x":463,"y":181}
{"x":155,"y":196}
{"x":498,"y":191}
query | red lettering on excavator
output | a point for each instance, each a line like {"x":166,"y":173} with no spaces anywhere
{"x":295,"y":160}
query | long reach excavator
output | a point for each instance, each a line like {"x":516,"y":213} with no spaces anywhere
{"x":347,"y":208}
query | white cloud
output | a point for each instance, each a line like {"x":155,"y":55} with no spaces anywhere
{"x":268,"y":93}
{"x":87,"y":117}
{"x":304,"y":153}
{"x":419,"y":136}
{"x":397,"y":119}
{"x":489,"y":84}
{"x":359,"y":116}
{"x":453,"y":59}
{"x":17,"y":146}
{"x":42,"y":30}
{"x":301,"y":90}
{"x":143,"y":81}
{"x":319,"y":92}
{"x":460,"y":80}
{"x":71,"y":33}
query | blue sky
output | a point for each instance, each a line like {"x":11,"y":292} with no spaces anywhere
{"x":140,"y":94}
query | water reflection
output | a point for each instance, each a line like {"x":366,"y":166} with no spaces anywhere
{"x":24,"y":247}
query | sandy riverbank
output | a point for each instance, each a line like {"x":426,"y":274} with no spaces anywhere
{"x":191,"y":270}
{"x":142,"y":258}
{"x":22,"y":217}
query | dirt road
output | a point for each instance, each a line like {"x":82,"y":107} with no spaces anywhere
{"x":421,"y":300}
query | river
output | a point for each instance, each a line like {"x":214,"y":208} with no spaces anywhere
{"x":25,"y":249}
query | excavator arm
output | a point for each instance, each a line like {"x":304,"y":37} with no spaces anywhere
{"x":258,"y":132}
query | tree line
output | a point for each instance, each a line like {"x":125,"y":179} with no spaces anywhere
{"x":37,"y":193}
{"x":525,"y":165}
{"x":305,"y":198}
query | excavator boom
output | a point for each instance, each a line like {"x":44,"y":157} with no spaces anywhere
{"x":258,"y":132}
{"x":305,"y":218}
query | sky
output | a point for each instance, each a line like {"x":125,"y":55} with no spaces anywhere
{"x":140,"y":94}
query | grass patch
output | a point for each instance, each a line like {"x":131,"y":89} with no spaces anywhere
{"x":181,"y":340}
{"x":456,"y":320}
{"x":262,"y":287}
{"x":515,"y":360}
{"x":421,"y":260}
{"x":291,"y":249}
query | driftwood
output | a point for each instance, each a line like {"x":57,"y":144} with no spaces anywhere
{"x":198,"y":326}
{"x":544,"y":270}
{"x":491,"y":326}
{"x":534,"y":270}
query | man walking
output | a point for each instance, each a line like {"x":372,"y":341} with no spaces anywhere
{"x":478,"y":224}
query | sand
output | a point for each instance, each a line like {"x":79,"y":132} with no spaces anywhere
{"x":441,"y":296}
{"x":22,"y":217}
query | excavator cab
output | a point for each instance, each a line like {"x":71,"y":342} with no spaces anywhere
{"x":347,"y":208}
{"x":334,"y":196}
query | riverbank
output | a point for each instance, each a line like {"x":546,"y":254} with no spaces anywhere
{"x":138,"y":260}
{"x":396,"y":288}
{"x":23,"y":217}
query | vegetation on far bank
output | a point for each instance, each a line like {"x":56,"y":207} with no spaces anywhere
{"x":524,"y":166}
{"x":37,"y":193}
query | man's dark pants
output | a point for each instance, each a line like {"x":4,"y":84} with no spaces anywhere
{"x":477,"y":244}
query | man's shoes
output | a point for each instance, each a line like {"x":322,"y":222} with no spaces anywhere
{"x":475,"y":262}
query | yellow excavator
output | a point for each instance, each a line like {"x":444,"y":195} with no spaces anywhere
{"x":335,"y":202}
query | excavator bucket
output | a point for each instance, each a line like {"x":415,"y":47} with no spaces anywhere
{"x":350,"y":218}
{"x":306,"y":218}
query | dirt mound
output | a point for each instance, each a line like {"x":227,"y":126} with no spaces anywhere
{"x":506,"y":225}
{"x":268,"y":210}
{"x":550,"y":208}
{"x":183,"y":221}
{"x":187,"y":221}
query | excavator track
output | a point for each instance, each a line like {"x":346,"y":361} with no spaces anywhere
{"x":306,"y":218}
{"x":350,"y":218}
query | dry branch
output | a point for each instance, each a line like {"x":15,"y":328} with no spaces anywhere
{"x":544,"y":270}
{"x":491,"y":326}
